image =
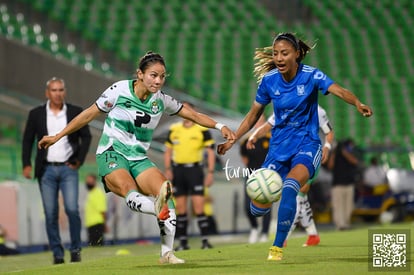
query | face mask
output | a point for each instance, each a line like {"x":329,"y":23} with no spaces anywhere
{"x":89,"y":187}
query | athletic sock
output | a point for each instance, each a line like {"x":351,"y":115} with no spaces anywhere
{"x":257,"y":211}
{"x":167,"y":232}
{"x":306,"y":215}
{"x":203,"y":225}
{"x":287,"y":210}
{"x":182,"y":223}
{"x":297,"y":215}
{"x":140,"y":203}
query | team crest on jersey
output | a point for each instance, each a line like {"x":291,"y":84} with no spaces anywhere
{"x":155,"y":108}
{"x":112,"y":165}
{"x":300,"y":90}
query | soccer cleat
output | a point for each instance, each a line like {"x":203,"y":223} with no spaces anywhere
{"x":161,"y":207}
{"x":75,"y":257}
{"x":312,"y":240}
{"x":275,"y":254}
{"x":170,"y":258}
{"x":164,"y":213}
{"x":263,"y":238}
{"x":58,"y":260}
{"x":206,"y":245}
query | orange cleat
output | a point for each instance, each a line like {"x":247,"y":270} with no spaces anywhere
{"x":161,"y":205}
{"x":312,"y":240}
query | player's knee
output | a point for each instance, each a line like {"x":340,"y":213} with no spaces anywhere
{"x":258,"y":211}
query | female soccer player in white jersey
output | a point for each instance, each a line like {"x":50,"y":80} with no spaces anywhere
{"x":295,"y":147}
{"x":304,"y":214}
{"x":134,"y":108}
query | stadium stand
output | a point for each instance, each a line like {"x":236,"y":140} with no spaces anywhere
{"x":209,"y":45}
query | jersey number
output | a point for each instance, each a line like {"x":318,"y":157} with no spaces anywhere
{"x":141,"y":118}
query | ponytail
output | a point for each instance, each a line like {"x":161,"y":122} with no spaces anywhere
{"x":263,"y":57}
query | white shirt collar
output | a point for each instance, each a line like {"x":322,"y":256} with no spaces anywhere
{"x":49,"y":110}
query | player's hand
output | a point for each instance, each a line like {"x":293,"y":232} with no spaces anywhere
{"x":250,"y":142}
{"x":46,"y":142}
{"x":228,"y":134}
{"x":365,"y":110}
{"x":224,"y":147}
{"x":325,"y":155}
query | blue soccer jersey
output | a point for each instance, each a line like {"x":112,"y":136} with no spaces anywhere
{"x":295,"y":106}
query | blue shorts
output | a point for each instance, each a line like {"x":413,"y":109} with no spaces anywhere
{"x":309,"y":155}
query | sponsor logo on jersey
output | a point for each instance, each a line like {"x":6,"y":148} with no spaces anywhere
{"x":112,"y":165}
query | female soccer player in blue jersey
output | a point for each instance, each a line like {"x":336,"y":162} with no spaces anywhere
{"x":295,"y":147}
{"x":133,"y":110}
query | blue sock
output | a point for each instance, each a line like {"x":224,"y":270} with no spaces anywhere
{"x":287,"y":210}
{"x":257,"y":211}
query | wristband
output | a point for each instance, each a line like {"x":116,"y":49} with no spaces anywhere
{"x":328,"y":145}
{"x":219,"y":126}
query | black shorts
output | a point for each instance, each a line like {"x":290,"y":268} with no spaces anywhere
{"x":188,"y":180}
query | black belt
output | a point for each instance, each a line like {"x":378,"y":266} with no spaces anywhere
{"x":194,"y":164}
{"x":53,"y":163}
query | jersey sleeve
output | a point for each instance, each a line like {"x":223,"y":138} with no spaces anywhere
{"x":324,"y":121}
{"x":106,"y":102}
{"x":168,"y":142}
{"x":262,"y":94}
{"x":172,"y":106}
{"x":208,"y":138}
{"x":322,"y":81}
{"x":271,"y":120}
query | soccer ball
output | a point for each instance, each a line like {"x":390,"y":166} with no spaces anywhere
{"x":264,"y":186}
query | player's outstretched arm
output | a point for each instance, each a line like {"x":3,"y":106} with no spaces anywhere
{"x":256,"y":110}
{"x":206,"y":121}
{"x":350,"y":98}
{"x":224,"y":147}
{"x":75,"y":124}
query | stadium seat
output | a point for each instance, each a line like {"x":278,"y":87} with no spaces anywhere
{"x":209,"y":47}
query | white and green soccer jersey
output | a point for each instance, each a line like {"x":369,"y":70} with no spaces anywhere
{"x":130,"y":122}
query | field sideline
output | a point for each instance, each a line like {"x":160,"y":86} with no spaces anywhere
{"x":343,"y":252}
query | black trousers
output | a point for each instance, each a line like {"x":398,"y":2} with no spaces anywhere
{"x":96,"y":234}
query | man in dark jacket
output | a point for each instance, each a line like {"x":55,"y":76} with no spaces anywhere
{"x":57,"y":167}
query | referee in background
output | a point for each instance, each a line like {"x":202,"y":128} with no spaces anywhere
{"x":186,"y":145}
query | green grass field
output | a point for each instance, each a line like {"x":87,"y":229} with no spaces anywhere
{"x":344,"y":252}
